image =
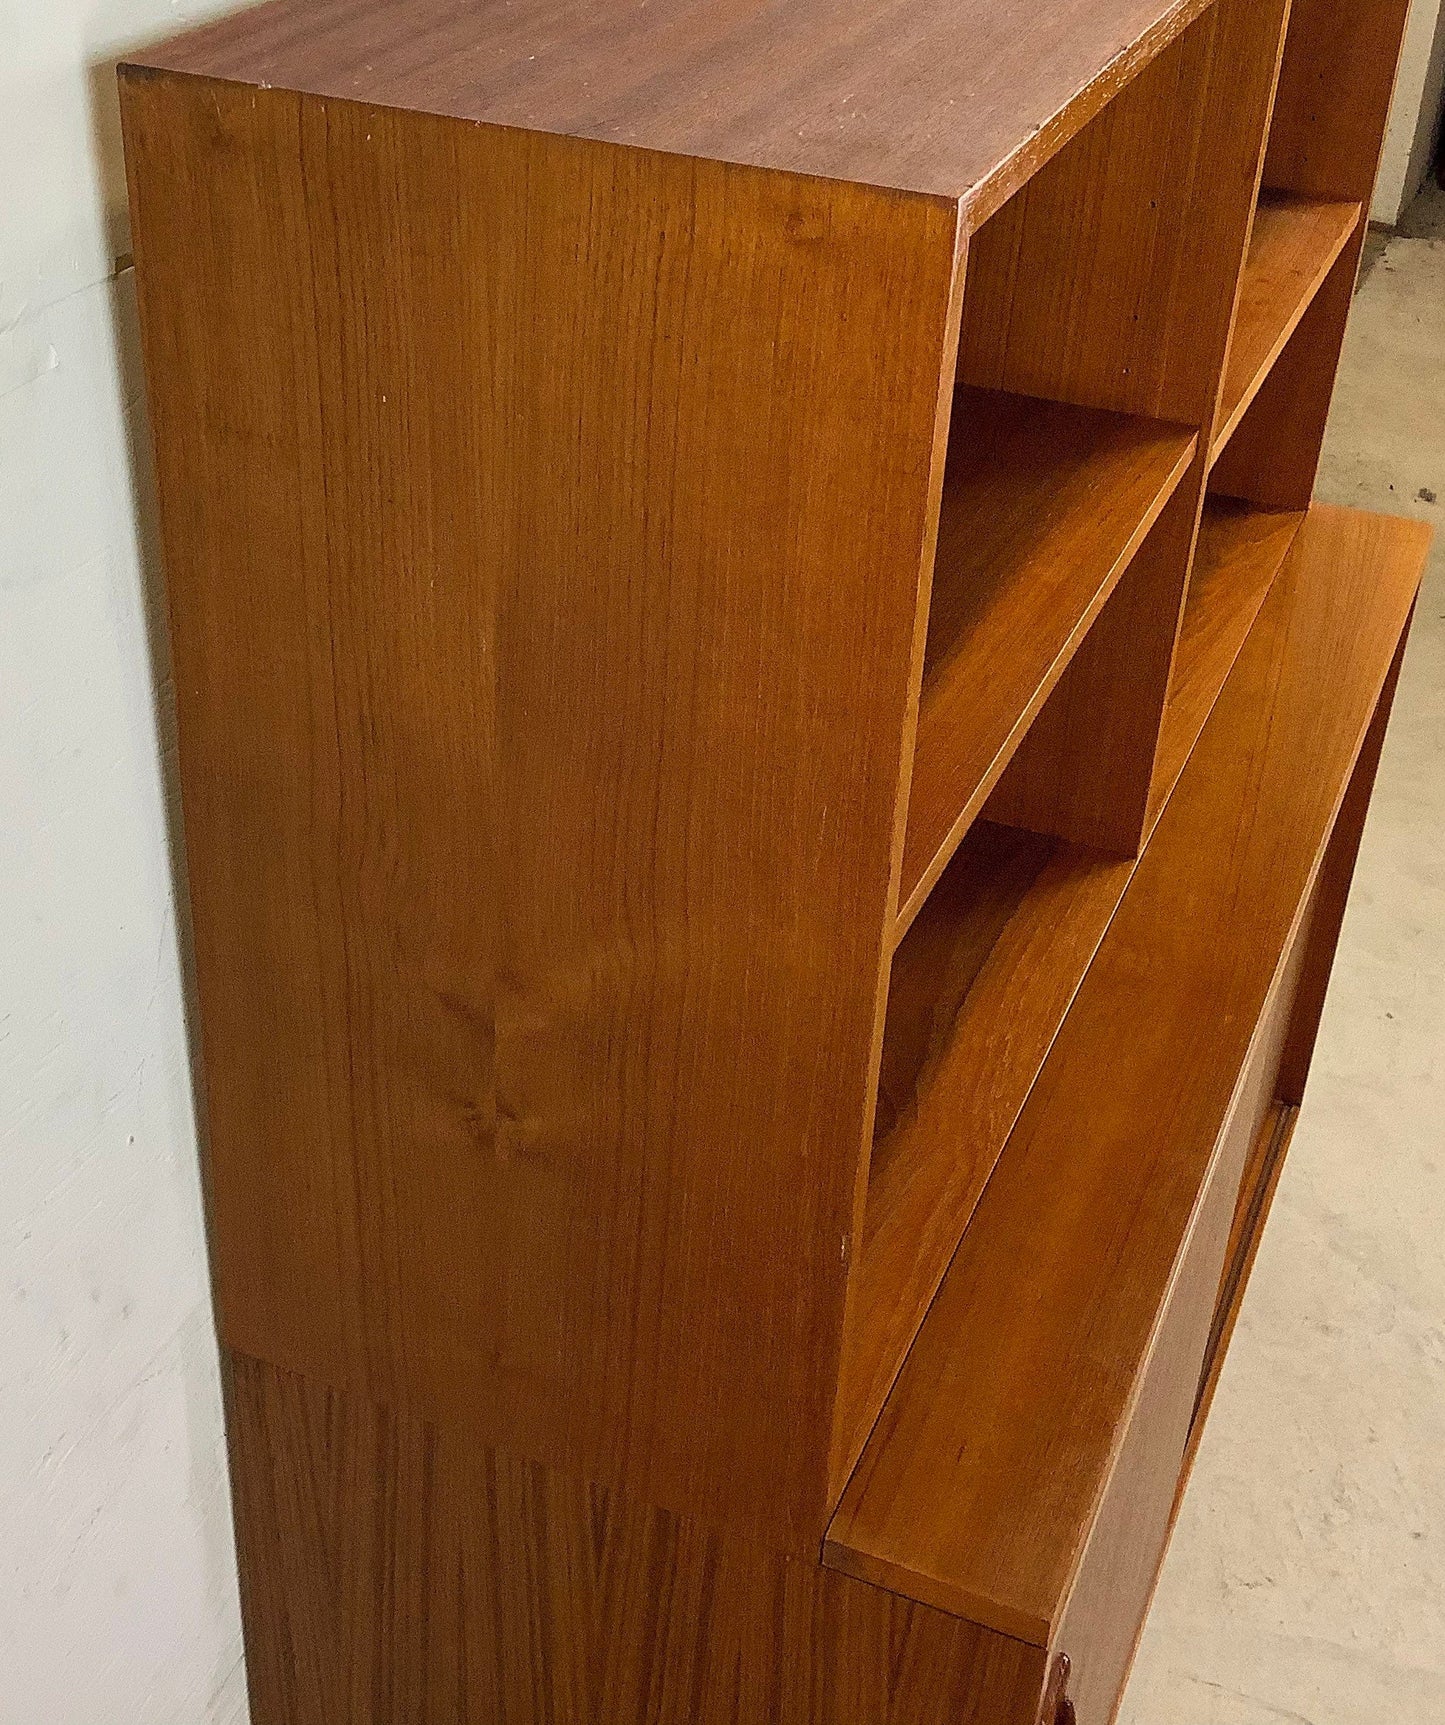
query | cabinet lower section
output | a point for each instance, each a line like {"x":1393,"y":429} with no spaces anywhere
{"x":396,"y":1572}
{"x":399,"y":1572}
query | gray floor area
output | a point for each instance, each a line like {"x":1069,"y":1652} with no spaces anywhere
{"x":1425,"y":218}
{"x":1306,"y":1581}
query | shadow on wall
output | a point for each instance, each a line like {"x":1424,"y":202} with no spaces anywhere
{"x":108,"y":155}
{"x":109,"y":158}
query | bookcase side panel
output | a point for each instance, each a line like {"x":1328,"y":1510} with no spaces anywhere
{"x":543,"y":524}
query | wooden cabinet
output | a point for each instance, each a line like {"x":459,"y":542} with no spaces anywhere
{"x":772,"y":749}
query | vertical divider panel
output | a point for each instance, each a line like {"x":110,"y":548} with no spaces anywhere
{"x":1085,"y":769}
{"x":1110,"y":281}
{"x":1274,"y":455}
{"x":1335,"y":88}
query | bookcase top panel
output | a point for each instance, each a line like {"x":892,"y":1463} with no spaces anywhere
{"x":956,"y":98}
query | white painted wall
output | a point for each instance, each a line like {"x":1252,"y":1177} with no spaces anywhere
{"x":1415,"y":114}
{"x":117,"y":1576}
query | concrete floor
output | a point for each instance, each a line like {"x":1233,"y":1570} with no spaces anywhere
{"x":1306,"y":1581}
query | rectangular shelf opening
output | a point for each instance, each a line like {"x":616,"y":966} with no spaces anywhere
{"x":1044,"y":506}
{"x":1241,"y":549}
{"x":978,"y":991}
{"x":1294,"y":245}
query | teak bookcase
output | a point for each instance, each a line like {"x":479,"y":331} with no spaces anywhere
{"x":772,"y":751}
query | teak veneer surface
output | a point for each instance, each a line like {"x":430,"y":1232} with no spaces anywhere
{"x":1325,"y":136}
{"x":1110,"y":280}
{"x":1240,"y":551}
{"x":539,"y":916}
{"x":1043,"y":507}
{"x":1335,"y":85}
{"x":1120,"y":1564}
{"x":1331,"y":898}
{"x":978,"y":991}
{"x":959,"y":98}
{"x":412,"y":1575}
{"x":980,"y":1481}
{"x":1292,"y":249}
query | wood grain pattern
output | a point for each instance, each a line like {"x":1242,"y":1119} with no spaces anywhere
{"x":1240,"y":551}
{"x":540,"y":745}
{"x":647,"y":490}
{"x":1332,"y":895}
{"x":1273,"y":455}
{"x":1335,"y":86}
{"x":397,"y":1572}
{"x":1085,"y":770}
{"x":1257,"y":1188}
{"x":1119,"y":1569}
{"x":982,"y":1476}
{"x":1325,"y":138}
{"x":1043,"y":507}
{"x":963,"y":98}
{"x":1256,"y":1194}
{"x":1293,"y":247}
{"x":1110,"y":280}
{"x":978,"y":992}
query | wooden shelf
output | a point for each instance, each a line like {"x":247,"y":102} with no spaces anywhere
{"x":1043,"y":507}
{"x":1294,"y":245}
{"x":1240,"y":551}
{"x":980,"y":1484}
{"x":979,"y":989}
